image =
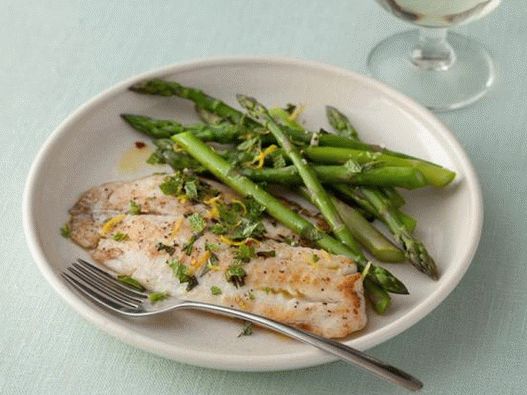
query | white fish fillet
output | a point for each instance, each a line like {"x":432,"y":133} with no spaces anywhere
{"x":324,"y":296}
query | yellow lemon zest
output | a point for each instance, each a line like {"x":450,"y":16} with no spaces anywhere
{"x":182,"y":198}
{"x":296,"y":113}
{"x":203,"y":258}
{"x":111,"y":223}
{"x":226,"y":240}
{"x":263,"y":154}
{"x":214,"y":268}
{"x":177,"y":227}
{"x":236,"y":201}
{"x":213,"y":213}
{"x":240,"y":302}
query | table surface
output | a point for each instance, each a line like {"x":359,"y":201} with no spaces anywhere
{"x":58,"y":54}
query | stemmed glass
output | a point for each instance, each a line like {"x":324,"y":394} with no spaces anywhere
{"x":440,"y":69}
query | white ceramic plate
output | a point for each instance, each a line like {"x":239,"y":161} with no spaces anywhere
{"x":86,"y":149}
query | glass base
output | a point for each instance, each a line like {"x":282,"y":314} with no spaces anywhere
{"x":459,"y":84}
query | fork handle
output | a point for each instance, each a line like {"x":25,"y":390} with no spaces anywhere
{"x":346,"y":353}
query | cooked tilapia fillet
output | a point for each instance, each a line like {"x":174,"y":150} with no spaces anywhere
{"x":322,"y":295}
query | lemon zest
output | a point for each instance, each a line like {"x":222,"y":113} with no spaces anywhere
{"x":111,"y":223}
{"x":177,"y":227}
{"x":182,"y":198}
{"x":260,"y":158}
{"x":226,"y":240}
{"x":236,"y":201}
{"x":213,"y":213}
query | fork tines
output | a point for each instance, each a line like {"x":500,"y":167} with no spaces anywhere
{"x":103,"y":288}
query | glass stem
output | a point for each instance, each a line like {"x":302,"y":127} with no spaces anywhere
{"x":433,"y":52}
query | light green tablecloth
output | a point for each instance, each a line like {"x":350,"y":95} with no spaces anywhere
{"x":54,"y":55}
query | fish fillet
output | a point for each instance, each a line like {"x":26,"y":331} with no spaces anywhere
{"x":300,"y":286}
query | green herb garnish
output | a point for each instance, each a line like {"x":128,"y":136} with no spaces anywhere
{"x":247,"y":329}
{"x":212,"y":247}
{"x":181,"y":272}
{"x":156,"y":159}
{"x":164,"y":247}
{"x":215,"y":290}
{"x":120,"y":236}
{"x":197,"y":223}
{"x":191,"y":189}
{"x":251,"y":296}
{"x":172,"y":185}
{"x":315,"y":258}
{"x":236,"y":274}
{"x":189,"y":245}
{"x":134,"y":208}
{"x":130,"y":281}
{"x":157,"y":296}
{"x":267,"y":290}
{"x":65,"y":231}
{"x":244,"y":253}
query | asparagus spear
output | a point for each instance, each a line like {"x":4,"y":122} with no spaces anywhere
{"x":399,"y":176}
{"x":395,"y":197}
{"x":365,"y":233}
{"x":228,"y":113}
{"x":356,"y":196}
{"x":161,"y":128}
{"x":222,"y":170}
{"x":403,"y":177}
{"x":341,"y":123}
{"x":414,"y":249}
{"x":308,"y":175}
{"x":435,"y":175}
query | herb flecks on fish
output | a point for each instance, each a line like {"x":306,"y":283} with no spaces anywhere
{"x":236,"y":274}
{"x":182,"y":274}
{"x":128,"y":280}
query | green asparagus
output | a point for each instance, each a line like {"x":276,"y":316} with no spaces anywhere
{"x":435,"y":175}
{"x":306,"y":172}
{"x":245,"y":187}
{"x":365,"y":233}
{"x":414,"y":249}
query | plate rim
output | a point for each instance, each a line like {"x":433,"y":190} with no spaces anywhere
{"x":311,"y":357}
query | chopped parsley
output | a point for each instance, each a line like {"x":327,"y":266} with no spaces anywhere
{"x":171,"y":185}
{"x":212,"y":247}
{"x":236,"y":274}
{"x":130,"y":281}
{"x":181,"y":272}
{"x":134,"y":208}
{"x":189,"y":245}
{"x":184,"y":182}
{"x":191,"y":189}
{"x":247,"y":329}
{"x":315,"y":258}
{"x":267,"y":290}
{"x":164,"y":247}
{"x":157,"y":296}
{"x":120,"y":236}
{"x":251,"y":296}
{"x":197,"y":223}
{"x":65,"y":231}
{"x":156,"y":158}
{"x":215,"y":290}
{"x":266,"y":254}
{"x":244,"y":253}
{"x":240,"y":220}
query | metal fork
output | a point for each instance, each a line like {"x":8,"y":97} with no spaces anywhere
{"x":106,"y":290}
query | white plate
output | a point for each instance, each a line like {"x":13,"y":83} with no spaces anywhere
{"x":85,"y":151}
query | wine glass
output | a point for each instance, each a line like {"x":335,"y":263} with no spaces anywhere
{"x":440,"y":69}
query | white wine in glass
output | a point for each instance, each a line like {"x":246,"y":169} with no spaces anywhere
{"x":443,"y":71}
